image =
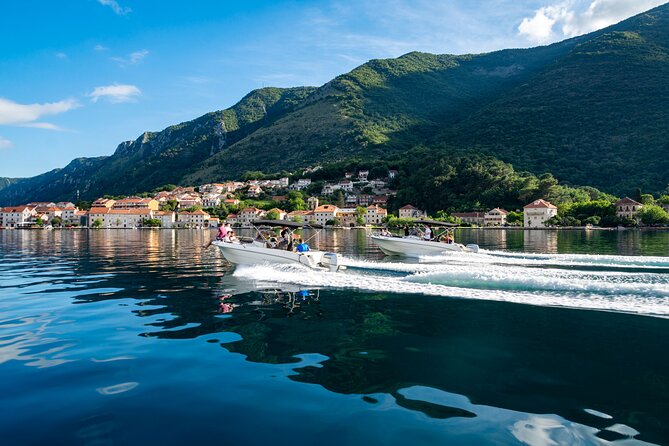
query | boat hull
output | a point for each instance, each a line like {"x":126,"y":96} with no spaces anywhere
{"x":415,"y":247}
{"x":252,"y":254}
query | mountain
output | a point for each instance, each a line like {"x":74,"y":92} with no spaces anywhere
{"x":591,"y":110}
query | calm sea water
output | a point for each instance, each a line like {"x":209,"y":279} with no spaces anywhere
{"x":143,"y":337}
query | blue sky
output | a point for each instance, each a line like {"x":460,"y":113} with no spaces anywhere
{"x":77,"y":77}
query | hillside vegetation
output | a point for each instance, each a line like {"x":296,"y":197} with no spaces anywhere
{"x":591,"y":110}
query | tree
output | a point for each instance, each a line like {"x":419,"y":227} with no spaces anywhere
{"x":83,"y":205}
{"x":296,"y":201}
{"x":339,"y":202}
{"x":97,"y":223}
{"x":170,"y":205}
{"x":152,"y":222}
{"x":653,"y":215}
{"x":333,"y":222}
{"x":39,"y":221}
{"x":515,"y":218}
{"x":592,"y":220}
{"x":253,"y":175}
{"x":647,"y":199}
{"x":56,"y":221}
{"x":272,"y":215}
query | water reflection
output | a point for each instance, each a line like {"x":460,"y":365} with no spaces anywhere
{"x":444,"y":359}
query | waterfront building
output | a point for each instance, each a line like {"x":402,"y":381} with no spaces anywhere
{"x":46,"y":213}
{"x":232,"y":219}
{"x":472,"y":218}
{"x":627,"y":208}
{"x":312,"y":203}
{"x":495,"y":217}
{"x":69,"y":214}
{"x":410,"y":211}
{"x":195,"y":219}
{"x":14,"y":216}
{"x":347,"y":217}
{"x":537,"y":212}
{"x":375,"y":215}
{"x":325,"y":213}
{"x":167,"y":218}
{"x":119,"y":218}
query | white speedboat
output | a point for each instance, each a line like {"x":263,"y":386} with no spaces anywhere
{"x":416,"y":245}
{"x":263,"y":250}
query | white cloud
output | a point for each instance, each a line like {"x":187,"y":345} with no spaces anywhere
{"x":116,"y":93}
{"x":570,"y":18}
{"x":132,"y":59}
{"x":5,"y":143}
{"x":26,"y":115}
{"x":62,"y":56}
{"x":113,"y":4}
{"x":99,"y":47}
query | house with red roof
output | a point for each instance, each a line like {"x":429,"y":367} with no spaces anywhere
{"x":538,"y":212}
{"x":627,"y":208}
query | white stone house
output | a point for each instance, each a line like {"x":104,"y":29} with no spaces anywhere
{"x":410,"y":211}
{"x":13,"y":216}
{"x":538,"y":212}
{"x":495,"y":217}
{"x":375,"y":215}
{"x":166,"y":218}
{"x":325,"y":213}
{"x":627,"y":208}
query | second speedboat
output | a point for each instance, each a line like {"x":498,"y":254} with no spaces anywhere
{"x":417,"y":245}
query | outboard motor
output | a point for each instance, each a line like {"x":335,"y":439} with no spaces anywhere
{"x":472,"y":247}
{"x":330,"y":261}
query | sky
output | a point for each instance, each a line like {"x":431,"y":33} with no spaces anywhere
{"x":77,"y":77}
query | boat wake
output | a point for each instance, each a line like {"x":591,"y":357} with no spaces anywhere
{"x":606,"y":283}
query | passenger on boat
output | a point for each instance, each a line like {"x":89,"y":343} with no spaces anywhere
{"x":406,"y":230}
{"x":222,"y":233}
{"x":449,"y":237}
{"x":427,"y":235}
{"x":287,"y":239}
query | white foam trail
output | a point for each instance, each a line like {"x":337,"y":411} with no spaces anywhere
{"x":574,"y":297}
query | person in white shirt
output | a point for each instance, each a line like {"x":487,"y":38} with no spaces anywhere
{"x":427,"y":235}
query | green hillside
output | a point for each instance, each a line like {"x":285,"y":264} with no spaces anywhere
{"x":591,"y":110}
{"x":599,"y":116}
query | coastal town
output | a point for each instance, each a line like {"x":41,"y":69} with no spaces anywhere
{"x":354,"y":201}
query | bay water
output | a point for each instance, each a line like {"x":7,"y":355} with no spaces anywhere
{"x":136,"y":337}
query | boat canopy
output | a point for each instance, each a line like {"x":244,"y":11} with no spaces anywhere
{"x":435,"y":223}
{"x":284,"y":223}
